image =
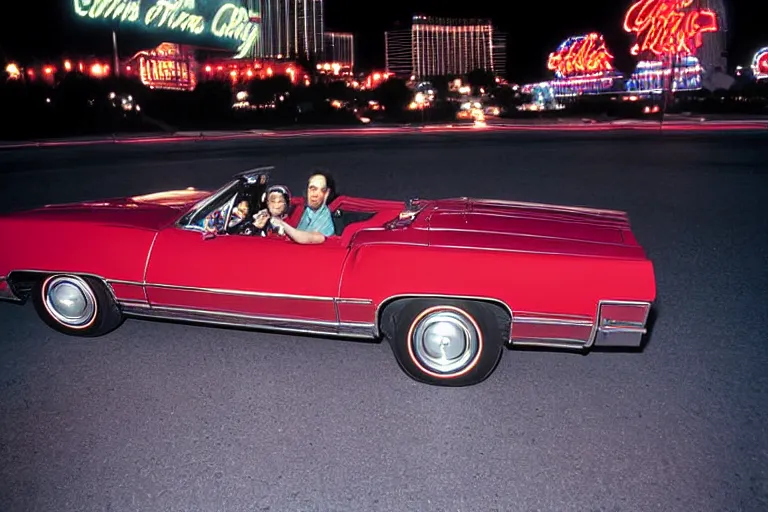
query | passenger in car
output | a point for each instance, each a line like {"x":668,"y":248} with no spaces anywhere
{"x":215,"y":221}
{"x":316,"y":222}
{"x":278,"y":199}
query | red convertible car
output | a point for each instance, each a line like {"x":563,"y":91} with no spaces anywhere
{"x":450,"y":283}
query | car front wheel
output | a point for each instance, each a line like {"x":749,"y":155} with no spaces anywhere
{"x":446,"y":342}
{"x":76,"y":305}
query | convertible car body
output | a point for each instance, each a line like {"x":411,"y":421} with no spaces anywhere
{"x":449,"y":282}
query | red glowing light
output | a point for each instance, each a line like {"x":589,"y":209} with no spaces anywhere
{"x":665,"y":27}
{"x":760,"y":67}
{"x":581,"y":56}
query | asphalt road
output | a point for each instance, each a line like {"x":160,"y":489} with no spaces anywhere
{"x":161,"y":416}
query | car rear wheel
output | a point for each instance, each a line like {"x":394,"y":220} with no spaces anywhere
{"x":446,"y":342}
{"x":76,"y":305}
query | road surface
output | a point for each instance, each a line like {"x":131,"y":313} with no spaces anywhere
{"x":162,"y":416}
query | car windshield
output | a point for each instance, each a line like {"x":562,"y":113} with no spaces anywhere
{"x":196,"y":215}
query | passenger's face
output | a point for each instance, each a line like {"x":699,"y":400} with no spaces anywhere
{"x":317,"y":192}
{"x":276,"y":204}
{"x":242,"y":209}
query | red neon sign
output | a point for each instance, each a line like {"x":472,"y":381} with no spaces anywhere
{"x":664,"y":27}
{"x":582,"y":55}
{"x":760,"y":67}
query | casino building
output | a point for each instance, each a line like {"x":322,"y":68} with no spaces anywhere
{"x":431,"y":46}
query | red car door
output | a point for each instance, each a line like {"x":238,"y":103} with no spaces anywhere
{"x":245,"y":277}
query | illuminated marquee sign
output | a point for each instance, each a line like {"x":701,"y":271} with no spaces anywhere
{"x":580,"y":56}
{"x":760,"y":64}
{"x":668,"y":27}
{"x":167,"y":67}
{"x":216,"y":22}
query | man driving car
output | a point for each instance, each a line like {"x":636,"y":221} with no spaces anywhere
{"x":316,"y":223}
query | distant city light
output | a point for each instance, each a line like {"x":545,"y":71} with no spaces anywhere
{"x":13,"y":71}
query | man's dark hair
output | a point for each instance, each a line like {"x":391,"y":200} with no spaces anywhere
{"x":329,"y":182}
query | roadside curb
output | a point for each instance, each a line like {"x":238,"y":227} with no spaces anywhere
{"x":583,"y":125}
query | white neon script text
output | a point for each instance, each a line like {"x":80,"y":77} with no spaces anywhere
{"x":169,"y":14}
{"x":123,"y":10}
{"x":233,"y":22}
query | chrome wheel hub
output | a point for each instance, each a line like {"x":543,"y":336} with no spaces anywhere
{"x":70,"y":301}
{"x":445,"y":341}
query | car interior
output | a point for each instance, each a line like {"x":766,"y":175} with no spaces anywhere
{"x":347,"y":212}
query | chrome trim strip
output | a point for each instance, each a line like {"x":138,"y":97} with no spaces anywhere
{"x":146,"y":263}
{"x":527,"y":235}
{"x":602,"y":222}
{"x":531,"y":251}
{"x":550,"y":343}
{"x":543,"y":321}
{"x":552,"y":321}
{"x":133,"y":303}
{"x":637,"y":330}
{"x":298,"y":326}
{"x":476,"y":201}
{"x":121,"y":281}
{"x":224,"y":291}
{"x":244,"y":293}
{"x":243,"y":315}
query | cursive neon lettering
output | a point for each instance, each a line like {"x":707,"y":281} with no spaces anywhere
{"x":121,"y":10}
{"x":581,"y":56}
{"x":172,"y":16}
{"x":664,"y":27}
{"x":232,"y":22}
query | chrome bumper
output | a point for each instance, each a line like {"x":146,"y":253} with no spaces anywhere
{"x":621,"y":324}
{"x":6,"y":293}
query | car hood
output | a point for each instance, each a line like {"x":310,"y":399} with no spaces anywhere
{"x":467,"y":222}
{"x":152,"y":211}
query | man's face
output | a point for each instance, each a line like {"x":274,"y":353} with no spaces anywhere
{"x":276,"y":204}
{"x":317,"y":192}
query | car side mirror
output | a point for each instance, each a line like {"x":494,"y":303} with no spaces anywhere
{"x":209,"y":235}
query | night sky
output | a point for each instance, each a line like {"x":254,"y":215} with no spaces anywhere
{"x":45,"y":29}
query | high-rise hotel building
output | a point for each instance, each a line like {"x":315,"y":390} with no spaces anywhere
{"x":291,"y":29}
{"x":340,"y":48}
{"x":443,"y":46}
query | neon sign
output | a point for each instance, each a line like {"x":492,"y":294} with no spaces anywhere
{"x":167,"y":67}
{"x":668,"y":27}
{"x":216,"y":22}
{"x":582,"y":55}
{"x":760,"y":64}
